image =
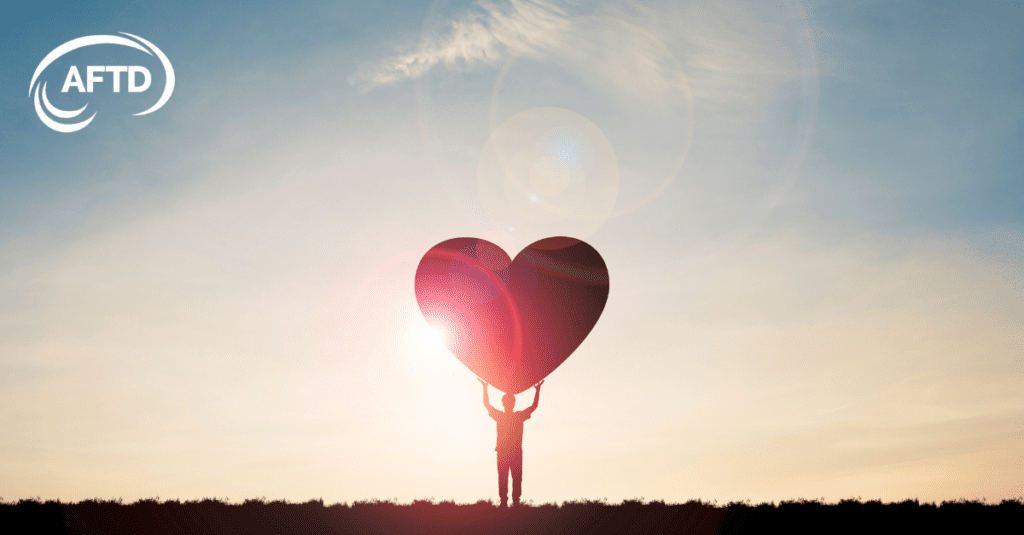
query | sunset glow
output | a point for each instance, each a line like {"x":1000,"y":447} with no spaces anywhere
{"x":802,"y":273}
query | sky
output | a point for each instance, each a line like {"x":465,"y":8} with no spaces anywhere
{"x":810,"y":214}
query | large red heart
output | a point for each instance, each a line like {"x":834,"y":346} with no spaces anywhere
{"x":512,"y":322}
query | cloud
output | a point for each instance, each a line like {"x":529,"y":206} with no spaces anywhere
{"x":476,"y":38}
{"x":728,"y":53}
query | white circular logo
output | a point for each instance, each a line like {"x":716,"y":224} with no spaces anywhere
{"x":93,"y":76}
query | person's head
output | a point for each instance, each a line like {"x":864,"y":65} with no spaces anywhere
{"x":508,"y":401}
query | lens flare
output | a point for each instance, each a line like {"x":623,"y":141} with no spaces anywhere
{"x":546,"y":169}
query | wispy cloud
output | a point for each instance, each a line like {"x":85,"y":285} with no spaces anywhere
{"x":725,"y":54}
{"x":482,"y":37}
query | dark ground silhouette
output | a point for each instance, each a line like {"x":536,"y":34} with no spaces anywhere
{"x":570,"y":518}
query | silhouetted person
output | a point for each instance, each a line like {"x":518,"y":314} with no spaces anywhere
{"x":510,"y":441}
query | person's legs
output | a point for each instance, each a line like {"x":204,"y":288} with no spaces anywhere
{"x":503,"y":469}
{"x":516,"y":466}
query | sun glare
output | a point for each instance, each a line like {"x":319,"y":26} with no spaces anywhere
{"x":429,"y":337}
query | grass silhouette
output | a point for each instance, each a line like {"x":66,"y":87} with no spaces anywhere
{"x":212,"y":515}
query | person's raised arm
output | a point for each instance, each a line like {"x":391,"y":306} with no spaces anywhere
{"x":487,"y":400}
{"x":536,"y":398}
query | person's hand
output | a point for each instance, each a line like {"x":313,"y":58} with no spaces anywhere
{"x":538,"y":385}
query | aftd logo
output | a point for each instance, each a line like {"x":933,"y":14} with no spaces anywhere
{"x":133,"y":77}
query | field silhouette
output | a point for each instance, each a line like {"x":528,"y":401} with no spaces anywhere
{"x":446,"y":517}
